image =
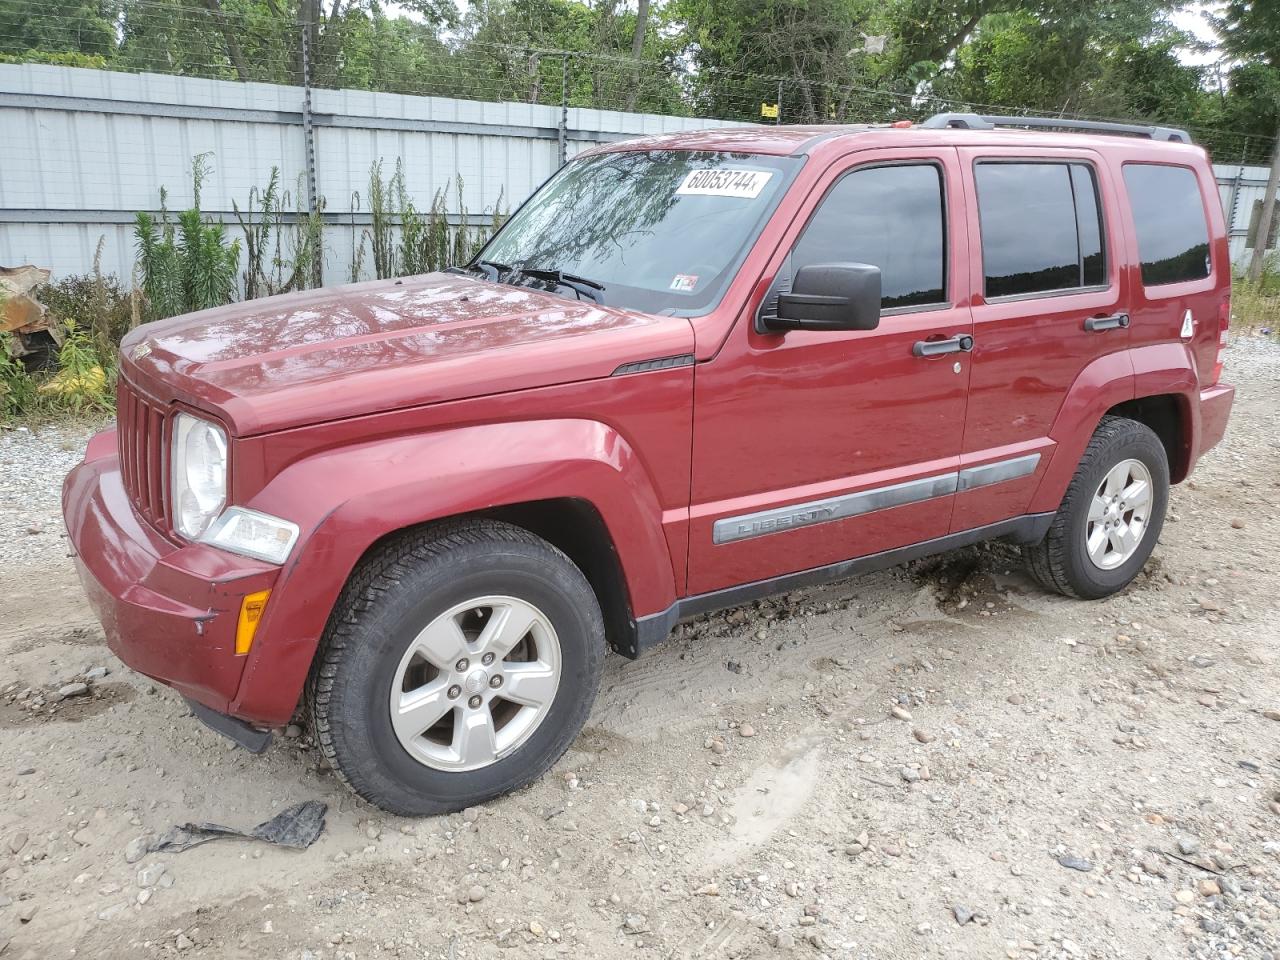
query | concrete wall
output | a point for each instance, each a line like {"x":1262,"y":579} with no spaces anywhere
{"x":81,"y":151}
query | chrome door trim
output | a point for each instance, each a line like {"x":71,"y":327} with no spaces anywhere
{"x":828,"y":510}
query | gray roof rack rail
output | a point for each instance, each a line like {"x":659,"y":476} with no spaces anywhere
{"x":974,"y":121}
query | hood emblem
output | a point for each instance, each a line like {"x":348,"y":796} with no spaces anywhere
{"x":142,"y":350}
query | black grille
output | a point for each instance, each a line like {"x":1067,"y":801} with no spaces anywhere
{"x":140,"y":426}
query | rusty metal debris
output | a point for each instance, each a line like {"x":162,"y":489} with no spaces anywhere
{"x":21,"y":314}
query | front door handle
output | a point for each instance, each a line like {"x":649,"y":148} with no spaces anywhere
{"x":1117,"y":321}
{"x":936,"y":348}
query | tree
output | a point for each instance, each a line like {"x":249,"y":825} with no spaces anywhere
{"x":1250,"y":30}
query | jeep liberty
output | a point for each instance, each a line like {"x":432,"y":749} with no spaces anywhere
{"x":691,"y":371}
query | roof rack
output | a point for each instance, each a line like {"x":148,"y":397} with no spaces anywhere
{"x":973,"y":121}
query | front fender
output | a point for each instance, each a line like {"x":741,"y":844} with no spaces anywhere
{"x":346,"y":499}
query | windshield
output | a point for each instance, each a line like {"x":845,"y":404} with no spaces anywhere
{"x":658,"y":231}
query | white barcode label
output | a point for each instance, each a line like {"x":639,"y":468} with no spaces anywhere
{"x":745,"y":184}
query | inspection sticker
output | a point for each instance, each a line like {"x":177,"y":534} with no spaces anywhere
{"x":746,"y":184}
{"x":684,"y":282}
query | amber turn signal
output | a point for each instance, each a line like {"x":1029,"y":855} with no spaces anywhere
{"x":250,"y":615}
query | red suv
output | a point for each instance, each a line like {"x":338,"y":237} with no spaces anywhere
{"x":690,"y":371}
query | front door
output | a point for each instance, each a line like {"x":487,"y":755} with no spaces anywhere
{"x":815,"y":447}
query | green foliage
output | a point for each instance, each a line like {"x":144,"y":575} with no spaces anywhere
{"x":94,"y":301}
{"x":187,"y":265}
{"x":405,"y":240}
{"x":279,"y":256}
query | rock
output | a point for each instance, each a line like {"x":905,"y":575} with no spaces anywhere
{"x":97,"y":673}
{"x":1237,"y":524}
{"x":679,"y":809}
{"x":733,"y":666}
{"x":73,"y":690}
{"x":1207,"y":700}
{"x":26,"y":911}
{"x":1185,"y":896}
{"x":924,"y":736}
{"x":1075,"y":863}
{"x":1151,"y":865}
{"x":1271,"y":714}
{"x":475,"y":894}
{"x":1209,"y":888}
{"x":144,"y":896}
{"x":536,"y":928}
{"x":783,"y":941}
{"x":909,"y":775}
{"x":137,"y":848}
{"x":708,"y":890}
{"x":292,"y":731}
{"x":184,"y":942}
{"x":471,"y":814}
{"x":718,"y":746}
{"x":746,"y":730}
{"x":1016,"y":699}
{"x":791,"y":889}
{"x":900,"y":713}
{"x":17,"y":842}
{"x":1188,"y":846}
{"x":83,"y":837}
{"x":635,"y":923}
{"x":962,"y":913}
{"x":150,"y":875}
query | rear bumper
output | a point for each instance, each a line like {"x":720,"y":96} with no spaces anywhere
{"x":1215,"y":410}
{"x":168,"y":610}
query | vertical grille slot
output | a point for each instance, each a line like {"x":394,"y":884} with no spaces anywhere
{"x":140,"y":428}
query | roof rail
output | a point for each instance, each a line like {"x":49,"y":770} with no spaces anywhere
{"x":973,"y":121}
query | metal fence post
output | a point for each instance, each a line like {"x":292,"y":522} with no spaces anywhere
{"x":309,"y":145}
{"x":562,"y":128}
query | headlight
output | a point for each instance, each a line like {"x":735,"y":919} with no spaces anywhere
{"x":199,"y":468}
{"x":253,"y":534}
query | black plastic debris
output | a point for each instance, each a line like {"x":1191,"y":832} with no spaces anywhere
{"x":296,"y":827}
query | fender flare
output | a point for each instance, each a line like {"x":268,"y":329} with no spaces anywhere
{"x":1155,"y":370}
{"x":346,"y":499}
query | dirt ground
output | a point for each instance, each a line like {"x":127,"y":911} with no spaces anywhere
{"x":1065,"y":779}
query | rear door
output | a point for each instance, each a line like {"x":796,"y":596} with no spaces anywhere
{"x":1048,"y":300}
{"x":815,"y":447}
{"x":1180,"y":289}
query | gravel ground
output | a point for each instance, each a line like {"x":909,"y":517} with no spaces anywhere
{"x":32,"y":465}
{"x":935,"y":761}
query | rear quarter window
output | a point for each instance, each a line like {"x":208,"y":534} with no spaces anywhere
{"x":1168,"y":216}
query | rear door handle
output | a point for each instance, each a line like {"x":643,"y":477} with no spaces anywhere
{"x":936,"y":348}
{"x":1117,"y":321}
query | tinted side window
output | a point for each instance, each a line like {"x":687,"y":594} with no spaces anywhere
{"x":1041,"y":227}
{"x":891,"y":217}
{"x":1168,"y":214}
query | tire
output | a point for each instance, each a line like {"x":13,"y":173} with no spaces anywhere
{"x":450,"y":577}
{"x":1061,"y":561}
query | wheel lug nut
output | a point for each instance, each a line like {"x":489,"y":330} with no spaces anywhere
{"x":461,"y":665}
{"x":474,"y":702}
{"x":495,"y":681}
{"x":487,"y":659}
{"x":455,"y":692}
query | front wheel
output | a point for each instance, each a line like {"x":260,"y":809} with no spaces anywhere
{"x":460,"y":664}
{"x":1110,"y":517}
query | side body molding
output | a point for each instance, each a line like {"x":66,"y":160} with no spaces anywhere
{"x":421,"y":477}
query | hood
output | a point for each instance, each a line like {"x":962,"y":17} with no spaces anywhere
{"x":346,"y":351}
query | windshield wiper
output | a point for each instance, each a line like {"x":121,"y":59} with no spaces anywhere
{"x":492,"y":271}
{"x":579,"y":285}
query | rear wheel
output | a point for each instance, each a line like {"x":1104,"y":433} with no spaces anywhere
{"x":1111,"y":516}
{"x":460,"y":664}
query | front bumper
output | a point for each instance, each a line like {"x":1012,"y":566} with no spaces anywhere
{"x":169,"y":610}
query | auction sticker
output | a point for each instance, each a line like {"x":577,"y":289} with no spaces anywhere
{"x":745,"y":184}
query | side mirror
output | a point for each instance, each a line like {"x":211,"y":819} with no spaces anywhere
{"x":830,"y":296}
